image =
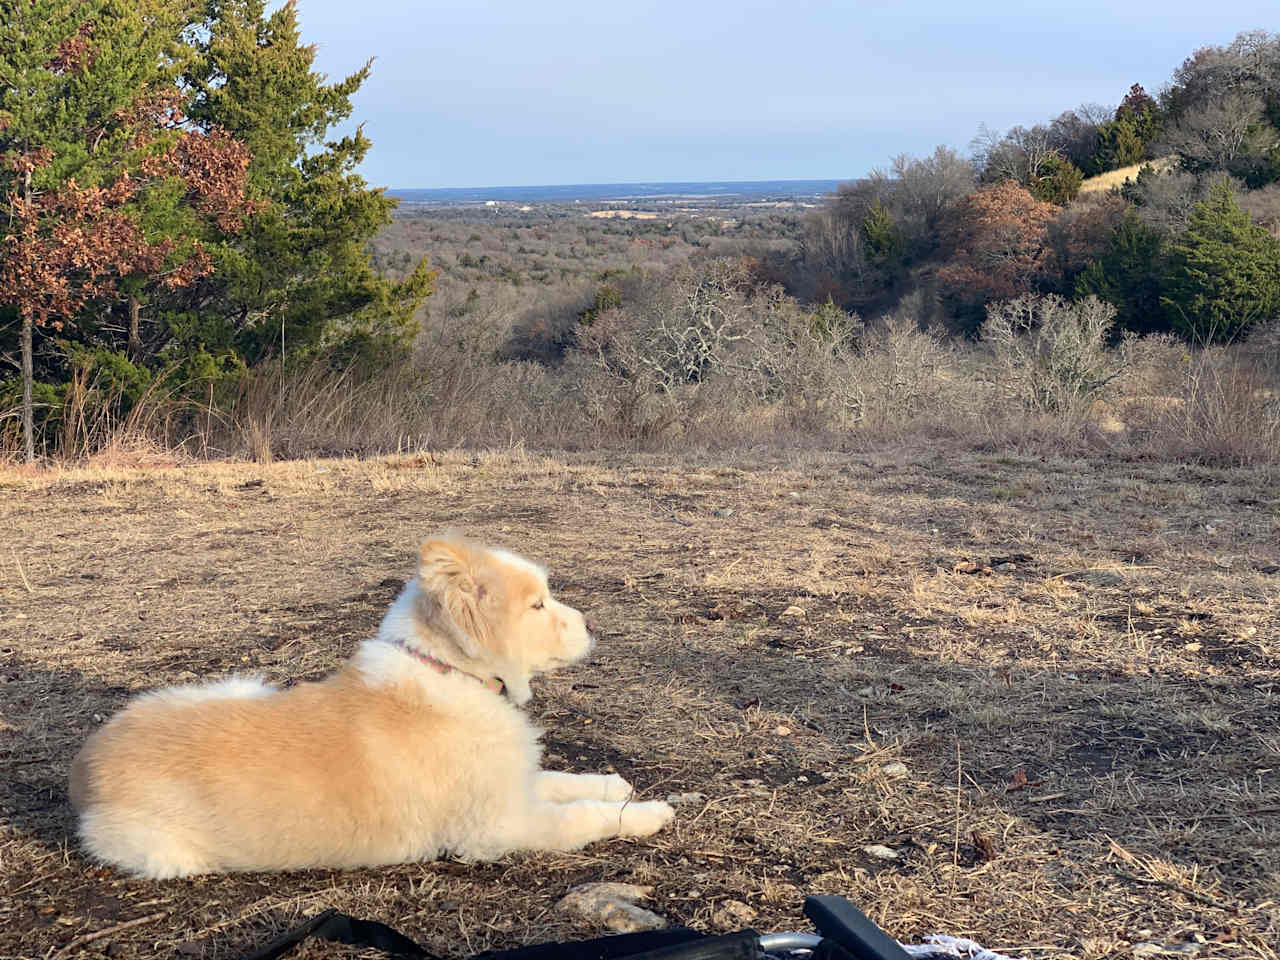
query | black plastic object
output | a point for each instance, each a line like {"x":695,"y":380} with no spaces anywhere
{"x":340,"y":928}
{"x":839,"y":920}
{"x":622,"y":946}
{"x":674,"y":943}
{"x":743,"y":945}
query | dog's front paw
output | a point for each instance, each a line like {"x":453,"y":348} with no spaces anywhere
{"x":616,"y":789}
{"x":643,"y":819}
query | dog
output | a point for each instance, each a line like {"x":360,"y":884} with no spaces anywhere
{"x":411,"y":751}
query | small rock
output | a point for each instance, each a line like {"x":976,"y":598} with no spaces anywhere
{"x":733,"y":915}
{"x":880,"y":852}
{"x":894,"y":768}
{"x":609,"y":904}
{"x":1165,"y":949}
{"x":794,"y":611}
{"x":685,"y":799}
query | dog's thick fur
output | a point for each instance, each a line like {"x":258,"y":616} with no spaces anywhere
{"x":390,"y":760}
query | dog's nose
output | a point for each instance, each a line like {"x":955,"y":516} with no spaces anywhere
{"x":593,"y":628}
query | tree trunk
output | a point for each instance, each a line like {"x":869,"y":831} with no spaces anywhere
{"x":28,"y":425}
{"x":28,"y":372}
{"x":135,"y":341}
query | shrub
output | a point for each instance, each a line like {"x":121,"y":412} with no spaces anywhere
{"x":1223,"y":415}
{"x":1059,"y":181}
{"x":1051,"y":354}
{"x":894,"y":378}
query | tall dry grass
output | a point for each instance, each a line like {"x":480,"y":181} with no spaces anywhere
{"x":744,"y":369}
{"x":1114,"y":179}
{"x":1226,"y":412}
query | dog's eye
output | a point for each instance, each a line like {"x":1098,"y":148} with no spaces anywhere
{"x":539,"y":605}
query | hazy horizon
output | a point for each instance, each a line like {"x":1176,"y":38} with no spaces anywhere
{"x":620,"y":184}
{"x":570,"y":92}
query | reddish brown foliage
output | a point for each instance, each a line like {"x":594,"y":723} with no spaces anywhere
{"x":998,"y":239}
{"x":1136,"y":103}
{"x":24,"y":163}
{"x":214,"y":166}
{"x":75,"y":55}
{"x":152,"y":112}
{"x":72,"y":245}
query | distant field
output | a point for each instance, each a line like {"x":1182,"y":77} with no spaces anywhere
{"x":1048,"y":686}
{"x":719,"y":190}
{"x":1117,"y":178}
{"x":624,"y":214}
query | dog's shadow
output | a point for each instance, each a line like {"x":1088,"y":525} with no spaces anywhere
{"x":49,"y":712}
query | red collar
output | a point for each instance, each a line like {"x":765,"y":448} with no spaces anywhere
{"x":440,"y":666}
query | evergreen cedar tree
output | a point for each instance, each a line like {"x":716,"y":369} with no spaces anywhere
{"x":1224,"y":272}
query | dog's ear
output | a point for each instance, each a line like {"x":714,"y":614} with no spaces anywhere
{"x":452,"y":594}
{"x":445,"y":561}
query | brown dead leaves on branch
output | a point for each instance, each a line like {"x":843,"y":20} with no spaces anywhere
{"x":75,"y":53}
{"x":214,"y":166}
{"x":999,"y":239}
{"x":71,"y":245}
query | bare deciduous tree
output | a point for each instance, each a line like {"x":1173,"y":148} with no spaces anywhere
{"x":928,"y":187}
{"x":1223,"y":133}
{"x":1020,"y":155}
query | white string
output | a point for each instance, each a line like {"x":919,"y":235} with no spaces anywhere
{"x":941,"y":945}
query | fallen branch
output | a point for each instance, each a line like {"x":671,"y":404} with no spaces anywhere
{"x":1185,"y":891}
{"x":84,"y":938}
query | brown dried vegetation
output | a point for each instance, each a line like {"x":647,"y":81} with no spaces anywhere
{"x":1076,"y":663}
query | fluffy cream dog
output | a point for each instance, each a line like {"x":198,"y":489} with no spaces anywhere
{"x":408,"y":752}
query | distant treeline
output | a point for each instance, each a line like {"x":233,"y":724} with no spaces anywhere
{"x":1189,"y":244}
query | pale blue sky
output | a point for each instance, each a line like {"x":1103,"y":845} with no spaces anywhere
{"x":511,"y":92}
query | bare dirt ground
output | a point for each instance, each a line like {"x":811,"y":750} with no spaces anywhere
{"x":1050,"y":688}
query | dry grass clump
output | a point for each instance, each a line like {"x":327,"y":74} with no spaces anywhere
{"x":1226,"y":412}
